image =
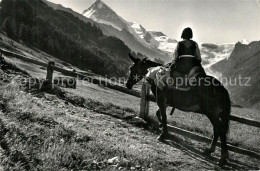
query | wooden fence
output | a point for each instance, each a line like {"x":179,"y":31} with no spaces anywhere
{"x":144,"y":106}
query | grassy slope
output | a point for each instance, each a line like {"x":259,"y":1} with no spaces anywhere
{"x":48,"y":134}
{"x":35,"y":54}
{"x":31,"y":52}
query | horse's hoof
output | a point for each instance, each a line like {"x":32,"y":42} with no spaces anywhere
{"x":160,"y":138}
{"x":222,"y":162}
{"x":207,"y":152}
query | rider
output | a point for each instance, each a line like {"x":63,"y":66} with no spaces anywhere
{"x":187,"y":53}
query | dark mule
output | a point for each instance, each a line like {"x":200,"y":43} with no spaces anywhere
{"x":210,"y":100}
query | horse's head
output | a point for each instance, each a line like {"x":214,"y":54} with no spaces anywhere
{"x":137,"y":71}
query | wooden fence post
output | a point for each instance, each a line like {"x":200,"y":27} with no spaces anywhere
{"x":144,"y":106}
{"x":49,"y":75}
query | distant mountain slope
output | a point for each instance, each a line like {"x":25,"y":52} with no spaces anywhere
{"x":244,"y":62}
{"x":213,"y":53}
{"x":69,"y":10}
{"x":122,"y":29}
{"x":64,"y":36}
{"x":132,"y":43}
{"x":165,"y":43}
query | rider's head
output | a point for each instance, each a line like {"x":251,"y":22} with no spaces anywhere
{"x":187,"y":34}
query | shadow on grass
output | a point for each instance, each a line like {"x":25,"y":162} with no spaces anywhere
{"x":194,"y":152}
{"x":180,"y":143}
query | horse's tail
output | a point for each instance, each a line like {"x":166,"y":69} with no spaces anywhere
{"x":226,"y":111}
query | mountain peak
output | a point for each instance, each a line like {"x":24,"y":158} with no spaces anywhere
{"x":102,"y":13}
{"x":244,"y":41}
{"x":99,"y":4}
{"x":157,"y":33}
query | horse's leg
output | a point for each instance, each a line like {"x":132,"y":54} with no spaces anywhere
{"x":221,"y":132}
{"x":164,"y":133}
{"x":213,"y":144}
{"x":158,"y":115}
{"x":224,"y":148}
{"x":210,"y":108}
{"x":161,"y":101}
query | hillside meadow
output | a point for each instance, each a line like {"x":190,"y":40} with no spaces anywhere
{"x":40,"y":131}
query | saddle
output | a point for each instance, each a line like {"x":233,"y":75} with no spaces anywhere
{"x":184,"y":82}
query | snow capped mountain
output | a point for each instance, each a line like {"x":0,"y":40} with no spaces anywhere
{"x":165,"y":43}
{"x":157,"y":33}
{"x":102,"y":13}
{"x":244,"y":41}
{"x":143,"y":34}
{"x":139,"y":29}
{"x":213,"y":53}
{"x":131,"y":33}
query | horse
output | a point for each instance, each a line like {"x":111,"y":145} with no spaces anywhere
{"x":211,"y":100}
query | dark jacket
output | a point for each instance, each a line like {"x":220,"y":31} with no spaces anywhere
{"x":187,"y":47}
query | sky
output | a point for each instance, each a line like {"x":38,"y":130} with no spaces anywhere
{"x":215,"y":21}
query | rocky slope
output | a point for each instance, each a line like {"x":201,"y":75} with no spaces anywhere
{"x":65,"y":36}
{"x":130,"y":32}
{"x":243,"y":64}
{"x":213,"y":53}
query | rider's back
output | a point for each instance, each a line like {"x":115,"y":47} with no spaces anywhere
{"x":187,"y":56}
{"x":187,"y":47}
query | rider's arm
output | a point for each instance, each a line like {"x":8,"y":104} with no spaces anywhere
{"x":176,"y":55}
{"x":197,"y":53}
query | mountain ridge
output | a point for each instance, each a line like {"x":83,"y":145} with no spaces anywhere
{"x":244,"y":62}
{"x":103,"y":14}
{"x":64,"y":36}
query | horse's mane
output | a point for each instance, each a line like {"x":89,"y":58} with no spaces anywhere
{"x":152,"y":63}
